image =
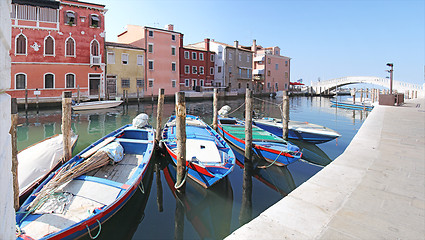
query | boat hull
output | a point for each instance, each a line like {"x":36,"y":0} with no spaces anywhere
{"x":96,"y":105}
{"x":351,"y":106}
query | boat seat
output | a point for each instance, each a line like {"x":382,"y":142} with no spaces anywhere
{"x":132,"y":140}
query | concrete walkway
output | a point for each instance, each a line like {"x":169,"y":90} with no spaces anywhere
{"x":374,"y":190}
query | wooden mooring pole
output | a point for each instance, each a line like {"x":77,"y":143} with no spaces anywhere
{"x":137,"y":93}
{"x":159,"y":114}
{"x":353,"y":94}
{"x":361,"y":95}
{"x":159,"y":194}
{"x":66,"y":125}
{"x":13,"y":135}
{"x":181,"y":140}
{"x":285,"y":115}
{"x":215,"y":109}
{"x":78,"y":93}
{"x":248,"y":125}
{"x":26,"y":100}
{"x":98,"y":92}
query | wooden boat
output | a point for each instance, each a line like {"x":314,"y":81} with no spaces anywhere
{"x":269,"y":146}
{"x":79,"y":207}
{"x":95,"y":105}
{"x":304,"y":131}
{"x":37,"y":161}
{"x":348,"y":105}
{"x":209,"y":158}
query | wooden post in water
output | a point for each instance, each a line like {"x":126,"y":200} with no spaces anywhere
{"x":98,"y":92}
{"x":138,"y":99}
{"x":248,"y":125}
{"x":36,"y":101}
{"x":78,"y":93}
{"x":285,"y":115}
{"x":66,"y":124}
{"x":26,"y":99}
{"x":361,"y":95}
{"x":159,"y":198}
{"x":13,"y":135}
{"x":416,"y":94}
{"x":179,"y":217}
{"x":215,"y":109}
{"x":126,"y":97}
{"x":367,"y":93}
{"x":159,"y":114}
{"x":354,"y":96}
{"x":181,"y":140}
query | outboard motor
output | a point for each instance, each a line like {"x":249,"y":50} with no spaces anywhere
{"x":224,"y":111}
{"x":141,"y":120}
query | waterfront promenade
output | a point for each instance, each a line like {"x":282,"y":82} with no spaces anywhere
{"x":374,"y":190}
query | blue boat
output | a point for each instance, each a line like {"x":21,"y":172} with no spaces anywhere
{"x":209,"y":158}
{"x":269,"y":146}
{"x":78,"y":207}
{"x":303,"y":131}
{"x":347,"y":105}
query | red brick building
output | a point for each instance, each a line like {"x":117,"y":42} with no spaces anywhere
{"x":196,"y":67}
{"x":57,"y":46}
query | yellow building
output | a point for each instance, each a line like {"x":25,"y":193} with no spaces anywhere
{"x":125,"y":70}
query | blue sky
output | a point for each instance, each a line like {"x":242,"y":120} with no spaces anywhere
{"x":326,"y":39}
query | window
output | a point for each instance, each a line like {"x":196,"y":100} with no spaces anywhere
{"x":94,"y":21}
{"x":230,"y":69}
{"x":286,"y":75}
{"x":230,"y":56}
{"x":140,"y":83}
{"x":173,"y":83}
{"x":186,"y":82}
{"x":186,"y":54}
{"x":240,"y":72}
{"x":125,"y":83}
{"x":150,"y":64}
{"x":124,"y":58}
{"x":239,"y":85}
{"x":49,"y":80}
{"x":20,"y":81}
{"x":173,"y":66}
{"x":49,"y":46}
{"x":248,"y":58}
{"x":70,"y":80}
{"x":269,"y":60}
{"x":70,"y":18}
{"x":247,"y":85}
{"x":173,"y":51}
{"x":211,"y":71}
{"x":201,"y":82}
{"x":276,"y":66}
{"x":187,"y":69}
{"x":276,"y":52}
{"x":194,"y":69}
{"x":219,"y":69}
{"x":201,"y":56}
{"x":150,"y":47}
{"x":70,"y":47}
{"x":248,"y":73}
{"x":268,"y":85}
{"x":21,"y":44}
{"x":150,"y":83}
{"x":276,"y":86}
{"x":286,"y":63}
{"x":212,"y":57}
{"x":268,"y":72}
{"x":111,"y":57}
{"x":220,"y":54}
{"x":140,"y":60}
{"x":173,"y":37}
{"x":201,"y":70}
{"x":194,"y":55}
{"x":150,"y":33}
{"x":94,"y":48}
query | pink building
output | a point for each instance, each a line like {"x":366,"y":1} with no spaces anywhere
{"x":162,"y":56}
{"x":271,"y":70}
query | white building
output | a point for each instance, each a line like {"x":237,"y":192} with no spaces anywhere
{"x":7,"y":213}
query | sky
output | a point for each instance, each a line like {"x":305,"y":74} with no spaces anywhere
{"x":325,"y":39}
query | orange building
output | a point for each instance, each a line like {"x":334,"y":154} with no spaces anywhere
{"x":162,"y":56}
{"x":57,"y":46}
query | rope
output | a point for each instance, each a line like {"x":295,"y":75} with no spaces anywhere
{"x":236,"y":109}
{"x":98,"y":233}
{"x":18,"y":231}
{"x":181,"y":184}
{"x":259,"y":99}
{"x":142,"y":189}
{"x":272,"y":162}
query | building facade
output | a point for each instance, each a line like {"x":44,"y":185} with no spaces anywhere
{"x":125,"y":70}
{"x":271,"y":70}
{"x":196,"y":67}
{"x":7,"y":212}
{"x":57,"y":46}
{"x":162,"y":56}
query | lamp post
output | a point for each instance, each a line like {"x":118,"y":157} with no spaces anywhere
{"x":391,"y":76}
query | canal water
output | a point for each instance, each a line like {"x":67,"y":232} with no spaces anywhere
{"x":160,"y":213}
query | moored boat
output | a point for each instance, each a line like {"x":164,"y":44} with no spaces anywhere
{"x":87,"y":190}
{"x":348,"y":105}
{"x":209,"y":158}
{"x":96,"y":105}
{"x":303,"y":131}
{"x":37,"y":161}
{"x":269,"y":146}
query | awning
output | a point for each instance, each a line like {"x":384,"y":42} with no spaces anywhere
{"x":259,"y":59}
{"x":38,"y":3}
{"x":95,"y":18}
{"x":258,"y":71}
{"x":296,"y":83}
{"x":70,"y":14}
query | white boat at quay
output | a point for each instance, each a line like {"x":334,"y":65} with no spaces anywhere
{"x":96,"y":105}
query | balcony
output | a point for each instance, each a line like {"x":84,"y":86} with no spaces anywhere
{"x":95,"y":60}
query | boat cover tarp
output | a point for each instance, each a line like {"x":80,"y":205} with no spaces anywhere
{"x":114,"y":150}
{"x":257,"y":133}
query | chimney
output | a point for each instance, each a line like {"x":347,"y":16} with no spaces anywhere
{"x":170,"y":27}
{"x":236,"y":44}
{"x":181,"y":40}
{"x":254,"y":46}
{"x":207,"y":44}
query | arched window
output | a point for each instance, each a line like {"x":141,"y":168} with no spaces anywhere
{"x":20,"y":81}
{"x":70,"y":80}
{"x":21,"y":44}
{"x":70,"y":47}
{"x":94,"y":48}
{"x":49,"y":46}
{"x":49,"y":80}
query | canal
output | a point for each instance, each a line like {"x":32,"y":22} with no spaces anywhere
{"x":160,"y":213}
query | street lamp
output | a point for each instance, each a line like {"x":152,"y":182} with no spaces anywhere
{"x":391,"y":76}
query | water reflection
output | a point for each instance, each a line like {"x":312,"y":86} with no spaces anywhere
{"x":312,"y":153}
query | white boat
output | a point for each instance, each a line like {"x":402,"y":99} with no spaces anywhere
{"x":96,"y":105}
{"x":37,"y":161}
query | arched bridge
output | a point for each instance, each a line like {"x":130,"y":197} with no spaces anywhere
{"x":401,"y":87}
